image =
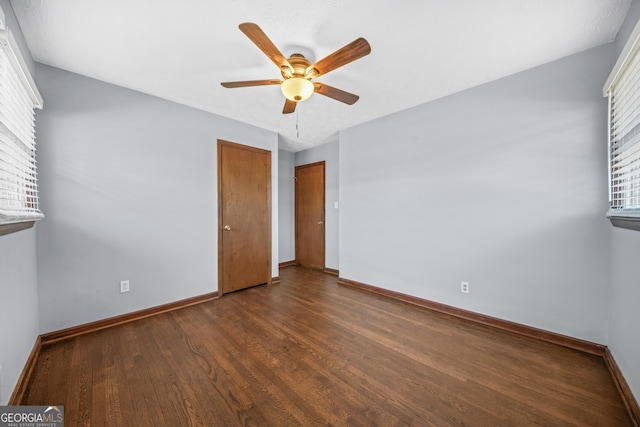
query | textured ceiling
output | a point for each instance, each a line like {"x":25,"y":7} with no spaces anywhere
{"x":421,"y":50}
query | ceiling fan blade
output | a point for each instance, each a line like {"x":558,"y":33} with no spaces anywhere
{"x":289,"y":107}
{"x":260,"y":39}
{"x":349,"y":53}
{"x":335,"y":93}
{"x":247,"y":83}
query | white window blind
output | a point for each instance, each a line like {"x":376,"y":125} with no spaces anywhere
{"x":18,"y":172}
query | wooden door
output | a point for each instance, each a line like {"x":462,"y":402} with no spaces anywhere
{"x":309,"y":207}
{"x":244,"y":216}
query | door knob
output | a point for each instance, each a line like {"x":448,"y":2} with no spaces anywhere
{"x":320,"y":222}
{"x":227,"y":228}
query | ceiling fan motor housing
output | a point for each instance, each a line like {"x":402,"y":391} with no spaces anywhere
{"x":300,"y":66}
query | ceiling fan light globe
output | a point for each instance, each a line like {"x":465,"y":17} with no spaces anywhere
{"x":297,"y":89}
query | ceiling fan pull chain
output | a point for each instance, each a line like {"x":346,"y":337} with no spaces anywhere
{"x":297,"y":130}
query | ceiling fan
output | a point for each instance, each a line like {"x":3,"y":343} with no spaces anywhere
{"x":298,"y":72}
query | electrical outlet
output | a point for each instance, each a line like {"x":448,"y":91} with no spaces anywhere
{"x":464,"y":287}
{"x":124,"y":286}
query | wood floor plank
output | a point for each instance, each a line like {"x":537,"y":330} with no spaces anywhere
{"x":308,"y":351}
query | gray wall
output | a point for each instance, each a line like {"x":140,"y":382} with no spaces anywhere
{"x":129,"y":190}
{"x":624,"y":330}
{"x":502,"y":186}
{"x":286,"y":206}
{"x":329,"y":153}
{"x":18,"y":278}
{"x":18,"y":306}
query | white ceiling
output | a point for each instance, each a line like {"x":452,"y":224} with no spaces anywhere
{"x":421,"y":50}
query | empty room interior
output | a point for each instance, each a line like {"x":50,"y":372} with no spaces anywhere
{"x":424,"y":224}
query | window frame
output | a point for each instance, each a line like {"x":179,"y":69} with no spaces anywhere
{"x":628,"y":218}
{"x":31,"y":97}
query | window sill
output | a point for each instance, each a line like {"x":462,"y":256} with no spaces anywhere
{"x":628,"y":220}
{"x":12,"y":228}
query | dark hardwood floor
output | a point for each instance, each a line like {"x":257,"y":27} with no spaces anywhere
{"x":308,"y":351}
